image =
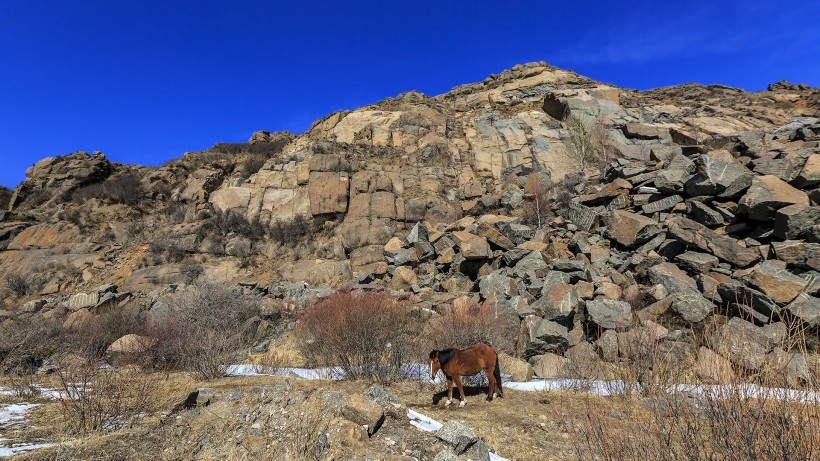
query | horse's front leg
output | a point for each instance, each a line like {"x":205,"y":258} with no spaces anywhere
{"x":460,"y":391}
{"x":449,"y":391}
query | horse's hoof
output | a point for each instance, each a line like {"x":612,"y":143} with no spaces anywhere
{"x":447,"y":403}
{"x":494,"y":395}
{"x":463,"y":402}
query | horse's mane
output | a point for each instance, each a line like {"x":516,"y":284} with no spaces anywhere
{"x":446,"y":355}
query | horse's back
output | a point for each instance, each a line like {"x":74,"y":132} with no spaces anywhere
{"x":476,"y":358}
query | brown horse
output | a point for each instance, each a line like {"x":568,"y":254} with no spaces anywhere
{"x":456,"y":363}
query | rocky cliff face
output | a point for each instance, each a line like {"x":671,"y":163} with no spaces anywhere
{"x":696,"y":198}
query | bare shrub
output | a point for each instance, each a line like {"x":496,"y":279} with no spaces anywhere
{"x":538,"y":207}
{"x":166,"y":249}
{"x":91,"y":339}
{"x":5,"y":197}
{"x":207,"y":325}
{"x":124,"y":188}
{"x":582,"y":146}
{"x":17,"y":284}
{"x":367,"y":335}
{"x":252,"y":164}
{"x":103,"y":399}
{"x":465,"y":325}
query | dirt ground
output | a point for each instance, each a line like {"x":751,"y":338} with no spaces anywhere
{"x":244,"y":421}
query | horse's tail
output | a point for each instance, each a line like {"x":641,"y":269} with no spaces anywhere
{"x":497,"y":375}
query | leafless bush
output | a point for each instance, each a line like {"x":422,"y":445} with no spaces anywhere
{"x":207,"y":325}
{"x":367,"y":335}
{"x":17,"y":284}
{"x":90,"y":339}
{"x":123,"y":188}
{"x":104,"y":399}
{"x":166,"y":249}
{"x":252,"y":164}
{"x":5,"y":197}
{"x":586,"y":141}
{"x":538,"y":207}
{"x":465,"y":325}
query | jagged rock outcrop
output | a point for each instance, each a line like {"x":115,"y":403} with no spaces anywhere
{"x":702,"y":208}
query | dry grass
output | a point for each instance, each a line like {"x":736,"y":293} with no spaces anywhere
{"x":744,"y":418}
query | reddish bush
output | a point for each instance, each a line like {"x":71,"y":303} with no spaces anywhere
{"x":465,"y":325}
{"x":367,"y":335}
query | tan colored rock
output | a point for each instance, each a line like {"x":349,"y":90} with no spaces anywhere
{"x":493,"y":236}
{"x":131,"y":344}
{"x":630,"y":229}
{"x":328,"y":192}
{"x":810,"y":174}
{"x":364,"y":413}
{"x":317,"y":272}
{"x":778,"y":283}
{"x":519,"y":370}
{"x":231,"y":198}
{"x":393,"y":245}
{"x":768,"y":194}
{"x":403,"y":278}
{"x":549,"y":365}
{"x":472,"y":246}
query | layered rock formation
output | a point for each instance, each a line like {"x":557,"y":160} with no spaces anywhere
{"x":700,"y":202}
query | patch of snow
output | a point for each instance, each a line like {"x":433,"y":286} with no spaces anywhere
{"x":428,"y":424}
{"x":16,"y":448}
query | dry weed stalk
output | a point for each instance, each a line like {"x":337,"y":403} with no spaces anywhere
{"x":746,"y":418}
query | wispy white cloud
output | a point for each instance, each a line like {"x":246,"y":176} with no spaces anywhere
{"x":648,"y":34}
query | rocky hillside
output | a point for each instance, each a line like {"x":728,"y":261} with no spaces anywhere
{"x":589,"y":213}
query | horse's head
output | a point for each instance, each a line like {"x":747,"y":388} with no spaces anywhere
{"x":435,"y":364}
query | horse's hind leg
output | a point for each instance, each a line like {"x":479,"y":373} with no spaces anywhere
{"x":492,"y":386}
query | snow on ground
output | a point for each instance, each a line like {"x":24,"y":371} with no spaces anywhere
{"x":12,"y":416}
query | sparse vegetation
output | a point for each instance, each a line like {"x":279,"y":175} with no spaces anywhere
{"x":367,"y":335}
{"x":539,"y":201}
{"x":465,"y":325}
{"x":125,"y":188}
{"x":588,"y":143}
{"x":206,"y":326}
{"x":5,"y":197}
{"x":17,"y":284}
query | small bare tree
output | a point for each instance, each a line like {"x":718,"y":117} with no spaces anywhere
{"x":538,"y":208}
{"x":588,"y":141}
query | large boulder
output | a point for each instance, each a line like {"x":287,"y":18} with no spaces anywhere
{"x":810,"y":174}
{"x":806,"y":308}
{"x":743,"y":343}
{"x":472,"y":246}
{"x":691,"y":305}
{"x":716,"y":177}
{"x":519,"y":370}
{"x":700,"y":236}
{"x":610,"y":313}
{"x":364,"y":413}
{"x":711,"y":368}
{"x":630,"y":229}
{"x":672,"y":278}
{"x":779,"y":284}
{"x":542,"y":336}
{"x":793,"y":221}
{"x":768,"y":194}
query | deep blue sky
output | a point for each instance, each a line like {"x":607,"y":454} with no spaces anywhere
{"x":146,"y":80}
